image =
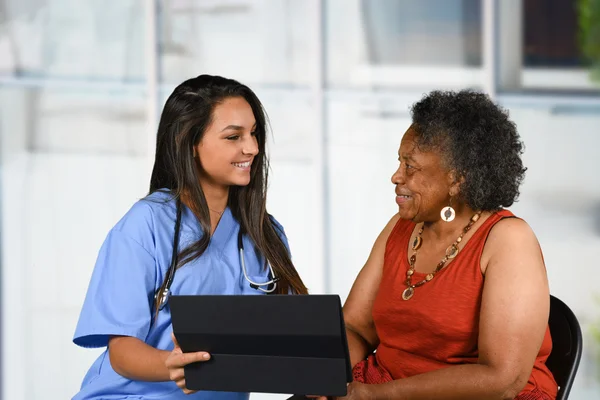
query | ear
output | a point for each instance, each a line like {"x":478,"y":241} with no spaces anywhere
{"x":454,"y":182}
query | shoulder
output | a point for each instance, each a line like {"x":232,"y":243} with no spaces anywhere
{"x":140,"y":221}
{"x":398,"y":224}
{"x":277,"y":225}
{"x":510,"y":232}
{"x":141,"y":214}
{"x":394,"y":224}
{"x":510,"y":240}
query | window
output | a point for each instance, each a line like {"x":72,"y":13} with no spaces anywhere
{"x":396,"y":43}
{"x":539,"y":48}
{"x":256,"y":42}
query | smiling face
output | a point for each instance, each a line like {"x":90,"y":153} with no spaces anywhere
{"x":229,"y":145}
{"x":423,"y":185}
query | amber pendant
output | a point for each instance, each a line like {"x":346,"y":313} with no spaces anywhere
{"x":452,"y":251}
{"x":417,"y":243}
{"x":408,"y":293}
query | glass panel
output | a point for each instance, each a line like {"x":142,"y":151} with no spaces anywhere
{"x":253,"y":41}
{"x":400,"y":43}
{"x":294,"y":197}
{"x":365,"y":134}
{"x":550,"y":34}
{"x":72,"y":163}
{"x":553,"y":55}
{"x":72,"y":39}
{"x":78,"y":121}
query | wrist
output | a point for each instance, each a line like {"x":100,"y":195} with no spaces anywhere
{"x":381,"y":391}
{"x":368,"y":392}
{"x":165,"y":372}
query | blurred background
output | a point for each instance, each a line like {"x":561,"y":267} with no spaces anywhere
{"x":82,"y":84}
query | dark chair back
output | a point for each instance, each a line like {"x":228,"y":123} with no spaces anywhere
{"x":567,"y":345}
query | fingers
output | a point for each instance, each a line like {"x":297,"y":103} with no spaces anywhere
{"x":174,"y":340}
{"x":188,"y":358}
{"x":177,"y":375}
{"x":181,"y":384}
{"x":177,"y":359}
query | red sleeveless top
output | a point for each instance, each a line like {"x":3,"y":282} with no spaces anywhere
{"x":439,"y":326}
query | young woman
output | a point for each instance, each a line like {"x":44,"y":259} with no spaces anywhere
{"x":207,"y":193}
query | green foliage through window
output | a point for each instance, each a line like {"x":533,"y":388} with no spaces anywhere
{"x":588,"y":14}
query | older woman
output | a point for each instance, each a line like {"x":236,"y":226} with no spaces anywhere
{"x":454,"y":296}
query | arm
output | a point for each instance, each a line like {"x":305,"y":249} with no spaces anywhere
{"x":118,"y":304}
{"x":360,"y":329}
{"x":513,"y":321}
{"x":134,"y":359}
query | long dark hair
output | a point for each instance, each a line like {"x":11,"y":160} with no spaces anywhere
{"x":185,"y":117}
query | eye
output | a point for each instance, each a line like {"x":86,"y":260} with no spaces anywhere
{"x":233,"y":137}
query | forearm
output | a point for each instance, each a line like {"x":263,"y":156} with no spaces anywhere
{"x":134,"y":359}
{"x":358,"y":347}
{"x":464,"y":382}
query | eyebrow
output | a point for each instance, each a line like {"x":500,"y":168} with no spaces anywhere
{"x":236,"y":128}
{"x":406,"y":157}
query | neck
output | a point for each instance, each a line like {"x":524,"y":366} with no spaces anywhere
{"x":441,"y":229}
{"x":216,"y":196}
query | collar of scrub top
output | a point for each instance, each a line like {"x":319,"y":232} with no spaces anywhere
{"x":164,"y":294}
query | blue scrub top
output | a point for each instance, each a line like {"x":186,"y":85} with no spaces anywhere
{"x":131,"y":265}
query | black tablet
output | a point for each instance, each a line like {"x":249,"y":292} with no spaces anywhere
{"x":291,"y":344}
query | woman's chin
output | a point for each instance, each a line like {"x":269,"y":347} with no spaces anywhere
{"x":406,"y":213}
{"x":240,"y":182}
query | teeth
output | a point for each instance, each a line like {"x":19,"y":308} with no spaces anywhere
{"x":242,"y":165}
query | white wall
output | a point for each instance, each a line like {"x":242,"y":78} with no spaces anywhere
{"x":72,"y":161}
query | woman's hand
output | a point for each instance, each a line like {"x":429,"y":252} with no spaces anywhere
{"x":178,"y":359}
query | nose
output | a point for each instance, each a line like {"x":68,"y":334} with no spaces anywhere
{"x":250,"y":146}
{"x":398,"y":176}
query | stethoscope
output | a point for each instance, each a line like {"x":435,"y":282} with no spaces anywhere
{"x":265,"y":287}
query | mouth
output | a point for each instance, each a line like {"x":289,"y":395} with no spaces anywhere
{"x":402,"y":198}
{"x":242,"y":165}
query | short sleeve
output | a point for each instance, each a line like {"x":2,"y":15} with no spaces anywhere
{"x":120,"y":293}
{"x":281,"y":232}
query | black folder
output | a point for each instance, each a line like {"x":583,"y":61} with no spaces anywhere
{"x":291,"y":344}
